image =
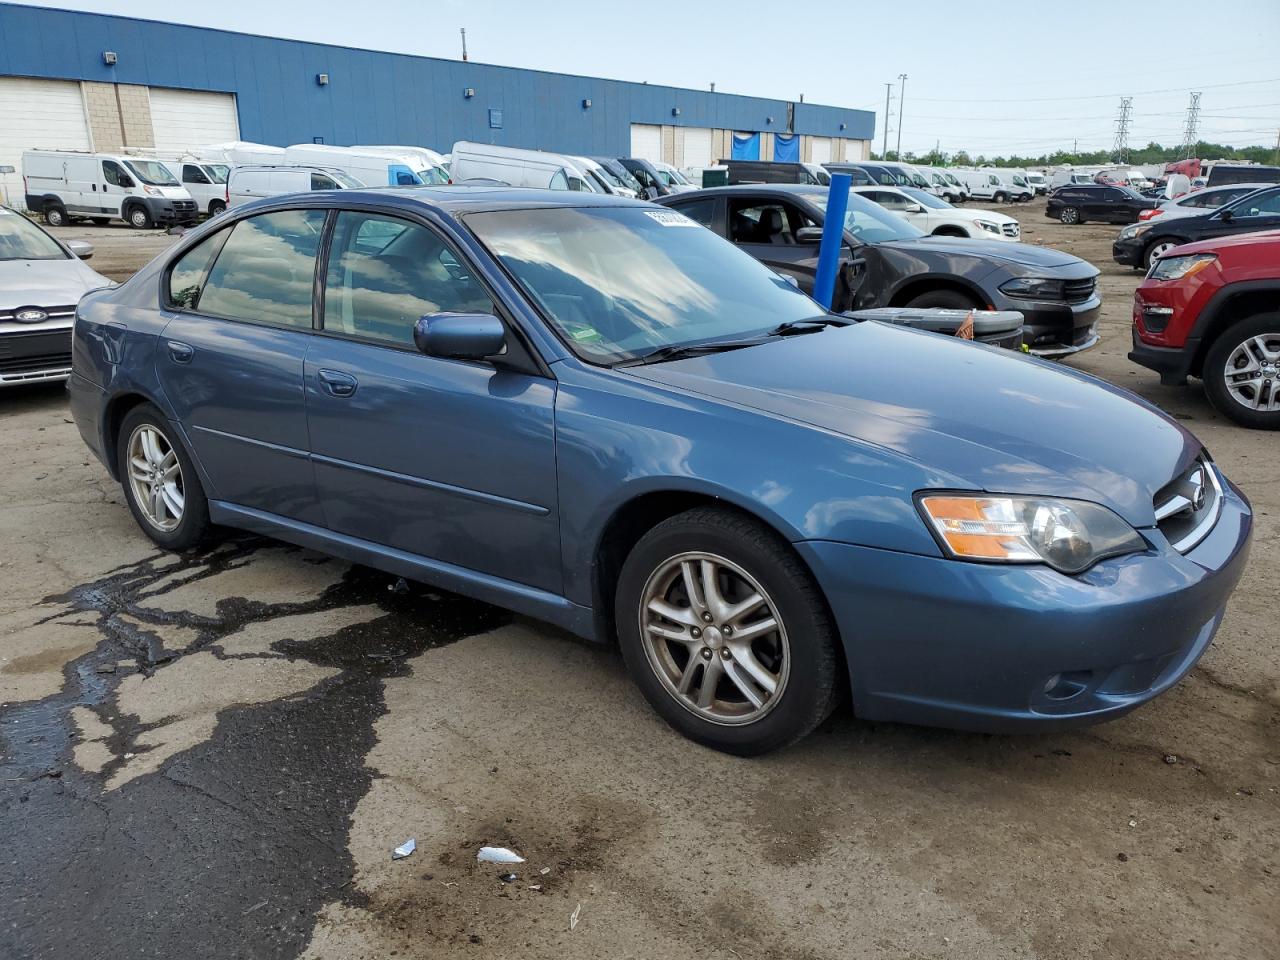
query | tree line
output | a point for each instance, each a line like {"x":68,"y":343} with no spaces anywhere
{"x":1138,"y":156}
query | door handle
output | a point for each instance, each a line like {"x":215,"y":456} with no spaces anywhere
{"x":338,"y":384}
{"x":180,"y":352}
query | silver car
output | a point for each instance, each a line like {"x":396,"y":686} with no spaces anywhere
{"x":41,"y":281}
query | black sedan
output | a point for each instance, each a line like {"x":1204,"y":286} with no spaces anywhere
{"x":1140,"y":244}
{"x":889,"y":263}
{"x":1107,"y":203}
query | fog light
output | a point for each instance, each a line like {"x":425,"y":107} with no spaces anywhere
{"x":1064,"y":686}
{"x":1156,"y":319}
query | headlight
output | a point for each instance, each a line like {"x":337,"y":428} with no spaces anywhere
{"x":1175,"y":268}
{"x":988,"y":226}
{"x":1135,"y":230}
{"x":152,"y":191}
{"x":1068,"y":535}
{"x":1033,"y":288}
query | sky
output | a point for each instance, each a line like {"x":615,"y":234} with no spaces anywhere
{"x":987,"y":76}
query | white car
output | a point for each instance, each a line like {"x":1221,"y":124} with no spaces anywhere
{"x":41,"y":281}
{"x":935,"y":216}
{"x":673,"y":178}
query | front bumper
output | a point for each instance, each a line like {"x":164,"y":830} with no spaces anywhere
{"x":1055,"y":328}
{"x":35,"y":357}
{"x":1128,"y":252}
{"x":1002,"y":648}
{"x":1172,"y":363}
{"x":164,"y":210}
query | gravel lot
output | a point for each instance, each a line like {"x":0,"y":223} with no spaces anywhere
{"x":214,"y":755}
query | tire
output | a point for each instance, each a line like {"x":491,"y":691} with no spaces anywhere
{"x":55,"y":215}
{"x":139,"y":217}
{"x":216,"y":207}
{"x":799,"y":658}
{"x":949,"y":232}
{"x":1253,"y":338}
{"x":138,"y":480}
{"x":945,"y":299}
{"x":1155,"y":248}
{"x":1000,"y":198}
{"x":1070,"y":215}
{"x":101,"y":221}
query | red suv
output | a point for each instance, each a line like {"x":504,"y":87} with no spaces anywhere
{"x":1212,"y":310}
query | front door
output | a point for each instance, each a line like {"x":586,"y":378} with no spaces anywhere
{"x":116,"y":184}
{"x":766,"y":228}
{"x":447,"y":459}
{"x":230,"y":360}
{"x":1248,"y":216}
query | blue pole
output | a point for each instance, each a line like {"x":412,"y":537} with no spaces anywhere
{"x":824,"y":284}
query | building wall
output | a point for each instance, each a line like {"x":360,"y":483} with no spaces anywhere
{"x":375,"y":97}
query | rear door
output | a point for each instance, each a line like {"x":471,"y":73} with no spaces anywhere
{"x":447,"y":459}
{"x":230,"y":360}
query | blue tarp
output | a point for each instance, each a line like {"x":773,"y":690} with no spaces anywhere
{"x":746,"y":146}
{"x":786,"y":148}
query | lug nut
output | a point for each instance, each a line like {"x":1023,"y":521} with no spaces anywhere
{"x":706,"y":618}
{"x":695,"y":632}
{"x":706,"y":653}
{"x":726,"y":653}
{"x":726,"y":630}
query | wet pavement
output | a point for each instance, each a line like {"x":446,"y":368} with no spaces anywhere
{"x":213,"y":755}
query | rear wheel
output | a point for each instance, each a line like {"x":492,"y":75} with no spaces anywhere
{"x":55,"y":215}
{"x":1069,"y":215}
{"x":1157,"y":249}
{"x":1242,"y":372}
{"x":216,"y":207}
{"x":945,"y":299}
{"x":139,"y":217}
{"x":1000,"y":198}
{"x":726,"y":633}
{"x":160,"y":482}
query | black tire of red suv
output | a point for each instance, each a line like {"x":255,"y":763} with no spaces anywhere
{"x":1265,"y":328}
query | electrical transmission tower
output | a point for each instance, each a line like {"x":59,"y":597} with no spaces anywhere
{"x":1190,"y":135}
{"x":1121,"y":148}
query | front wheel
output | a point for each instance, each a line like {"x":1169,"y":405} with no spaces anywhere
{"x":1069,"y":215}
{"x":140,"y":218}
{"x":944,"y":299}
{"x":726,"y":633}
{"x":1242,"y":372}
{"x":1000,"y":198}
{"x":1156,"y":250}
{"x":160,"y":482}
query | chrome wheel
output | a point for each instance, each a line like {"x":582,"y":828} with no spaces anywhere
{"x":714,"y":638}
{"x":1252,"y":373}
{"x":155,"y":478}
{"x":1069,"y":215}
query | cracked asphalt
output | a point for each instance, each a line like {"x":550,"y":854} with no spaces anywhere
{"x":213,"y":755}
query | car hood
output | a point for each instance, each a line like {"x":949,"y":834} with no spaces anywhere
{"x":46,"y":283}
{"x":990,"y":419}
{"x":1023,"y":254}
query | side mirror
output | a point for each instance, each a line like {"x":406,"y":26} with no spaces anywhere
{"x":1227,"y":216}
{"x":460,"y":336}
{"x":809,"y":235}
{"x":81,"y":248}
{"x":913,"y":208}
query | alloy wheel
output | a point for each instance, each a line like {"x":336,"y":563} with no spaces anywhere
{"x":155,"y":477}
{"x":1252,"y":373}
{"x":714,"y":638}
{"x":1069,"y":215}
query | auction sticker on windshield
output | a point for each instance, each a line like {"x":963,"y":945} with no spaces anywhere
{"x":669,"y":218}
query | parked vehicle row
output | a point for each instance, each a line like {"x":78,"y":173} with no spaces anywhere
{"x":640,"y":432}
{"x":66,"y":186}
{"x":1141,"y":244}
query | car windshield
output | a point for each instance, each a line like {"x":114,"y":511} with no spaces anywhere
{"x":20,"y":239}
{"x":619,"y":283}
{"x":433,"y":174}
{"x":869,"y":222}
{"x":926,"y":198}
{"x":1129,"y":192}
{"x":149,"y":171}
{"x":218,"y":172}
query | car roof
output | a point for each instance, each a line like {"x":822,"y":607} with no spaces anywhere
{"x":460,"y":198}
{"x":790,"y":189}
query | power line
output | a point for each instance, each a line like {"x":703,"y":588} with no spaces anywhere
{"x":1099,"y":96}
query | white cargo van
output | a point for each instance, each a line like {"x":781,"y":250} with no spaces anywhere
{"x":376,"y":167}
{"x":516,"y":166}
{"x":66,"y":185}
{"x":986,"y":185}
{"x":205,"y":180}
{"x":240,"y":152}
{"x":432,"y":167}
{"x":253,"y":182}
{"x":603,"y":177}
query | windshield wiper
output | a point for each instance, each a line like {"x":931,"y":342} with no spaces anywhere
{"x":808,"y":325}
{"x":678,"y":351}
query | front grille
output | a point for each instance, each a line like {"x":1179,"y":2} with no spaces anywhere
{"x":1078,"y":291}
{"x":184,"y":206}
{"x":1187,"y":508}
{"x":25,"y":353}
{"x":1010,"y":229}
{"x":55,"y":313}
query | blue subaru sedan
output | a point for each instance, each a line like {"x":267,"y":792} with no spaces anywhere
{"x":595,"y":412}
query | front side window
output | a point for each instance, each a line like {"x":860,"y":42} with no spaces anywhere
{"x":617,"y":283}
{"x":266,"y":269}
{"x":320,"y":181}
{"x":1257,"y":205}
{"x":193,"y":174}
{"x":20,"y":239}
{"x":114,"y":174}
{"x":754,"y":221}
{"x":384,"y":274}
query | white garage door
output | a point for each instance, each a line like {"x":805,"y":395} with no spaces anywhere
{"x":646,"y":141}
{"x":188,"y":119}
{"x":820,"y":149}
{"x":47,"y":114}
{"x":697,"y":148}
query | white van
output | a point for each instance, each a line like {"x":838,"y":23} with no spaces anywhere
{"x":516,"y":166}
{"x":1016,"y":177}
{"x":253,"y":182}
{"x":1068,"y":176}
{"x":376,"y":167}
{"x":986,"y":185}
{"x":433,"y":167}
{"x":205,"y":180}
{"x":65,"y":185}
{"x":604,"y":178}
{"x":240,"y":152}
{"x":1038,"y":182}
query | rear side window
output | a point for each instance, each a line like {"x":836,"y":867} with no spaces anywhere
{"x":186,"y":279}
{"x":703,"y":211}
{"x":385,"y":273}
{"x":265,"y":271}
